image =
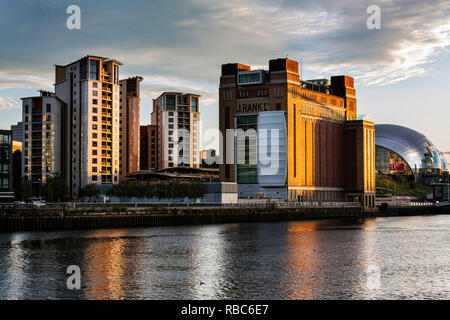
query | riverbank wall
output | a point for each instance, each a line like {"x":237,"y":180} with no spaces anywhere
{"x":45,"y":219}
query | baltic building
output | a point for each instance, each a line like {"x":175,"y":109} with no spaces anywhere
{"x":309,"y":144}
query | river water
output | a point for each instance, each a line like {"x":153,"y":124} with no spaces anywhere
{"x":382,"y":258}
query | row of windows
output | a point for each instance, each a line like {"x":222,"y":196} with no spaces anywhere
{"x":48,"y":108}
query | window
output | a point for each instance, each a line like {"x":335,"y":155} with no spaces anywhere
{"x":194,"y":104}
{"x":26,"y":108}
{"x":94,"y":178}
{"x":94,"y":85}
{"x":116,"y":74}
{"x":49,"y":107}
{"x":94,"y":118}
{"x":94,"y":101}
{"x":94,"y":135}
{"x":170,"y":102}
{"x":94,"y":126}
{"x":94,"y":93}
{"x":94,"y":152}
{"x":94,"y":110}
{"x":93,"y":69}
{"x":94,"y":169}
{"x":94,"y":160}
{"x":94,"y":143}
{"x":249,"y":77}
{"x":170,"y":119}
{"x":170,"y":126}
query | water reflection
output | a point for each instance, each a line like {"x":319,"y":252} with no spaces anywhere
{"x":104,"y":266}
{"x":327,"y":259}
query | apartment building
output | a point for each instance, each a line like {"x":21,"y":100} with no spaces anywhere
{"x":177,"y":116}
{"x":6,"y":193}
{"x":17,"y":131}
{"x":148,"y":149}
{"x":42,"y":138}
{"x":90,"y":89}
{"x":129,"y":130}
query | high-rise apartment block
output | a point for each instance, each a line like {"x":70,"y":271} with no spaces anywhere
{"x":17,"y":131}
{"x":321,"y":151}
{"x":87,"y":130}
{"x":43,"y":145}
{"x":90,"y":89}
{"x":129,"y":131}
{"x":6,"y":193}
{"x":177,"y":116}
{"x":148,"y":149}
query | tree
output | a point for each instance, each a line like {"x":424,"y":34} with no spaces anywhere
{"x":55,"y":189}
{"x":196,"y":190}
{"x":89,"y":191}
{"x":22,"y":189}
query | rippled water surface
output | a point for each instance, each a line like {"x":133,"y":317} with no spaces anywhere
{"x":388,"y":258}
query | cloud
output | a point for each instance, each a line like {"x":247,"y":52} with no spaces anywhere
{"x":190,"y":39}
{"x":28,"y":81}
{"x":8,"y":103}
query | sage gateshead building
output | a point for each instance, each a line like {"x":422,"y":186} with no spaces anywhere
{"x":401,"y":150}
{"x":293,"y":139}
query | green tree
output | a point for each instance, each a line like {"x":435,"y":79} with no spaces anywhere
{"x":196,"y":190}
{"x":22,"y":189}
{"x":55,"y":189}
{"x":89,"y":191}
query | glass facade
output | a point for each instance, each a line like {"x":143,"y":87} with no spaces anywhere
{"x":388,"y":162}
{"x":170,"y":102}
{"x":414,"y":148}
{"x":249,"y":78}
{"x":247,"y":172}
{"x":194,"y":104}
{"x":93,"y":69}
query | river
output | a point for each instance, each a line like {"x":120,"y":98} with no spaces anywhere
{"x":380,"y":258}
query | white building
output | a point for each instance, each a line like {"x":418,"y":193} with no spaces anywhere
{"x":90,"y":89}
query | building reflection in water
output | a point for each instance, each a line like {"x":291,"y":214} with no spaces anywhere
{"x":16,"y":269}
{"x":302,"y":248}
{"x":104,"y":265}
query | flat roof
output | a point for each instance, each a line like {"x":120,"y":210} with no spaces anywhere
{"x":91,"y":56}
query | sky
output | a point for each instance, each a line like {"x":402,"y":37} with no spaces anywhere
{"x":401,"y":71}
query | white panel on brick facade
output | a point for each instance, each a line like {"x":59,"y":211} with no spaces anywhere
{"x":272,"y":149}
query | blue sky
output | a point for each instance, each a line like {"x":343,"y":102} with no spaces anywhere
{"x":401,"y":71}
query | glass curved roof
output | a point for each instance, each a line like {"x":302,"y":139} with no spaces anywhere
{"x":414,"y":147}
